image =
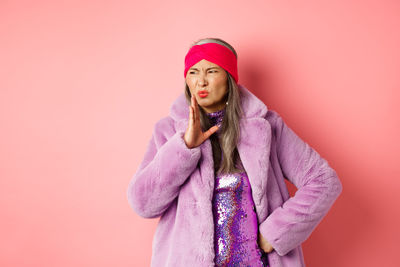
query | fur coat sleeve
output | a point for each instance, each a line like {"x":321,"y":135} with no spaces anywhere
{"x":318,"y":187}
{"x":159,"y":177}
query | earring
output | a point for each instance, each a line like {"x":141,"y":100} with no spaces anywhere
{"x":226,"y":102}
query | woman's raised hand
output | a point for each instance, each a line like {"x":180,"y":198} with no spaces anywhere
{"x":194,"y":135}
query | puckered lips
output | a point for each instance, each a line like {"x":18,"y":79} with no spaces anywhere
{"x":202,"y":93}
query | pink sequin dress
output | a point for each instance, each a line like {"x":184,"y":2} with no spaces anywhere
{"x":235,"y":219}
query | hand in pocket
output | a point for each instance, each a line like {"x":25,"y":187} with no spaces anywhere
{"x":264,"y":244}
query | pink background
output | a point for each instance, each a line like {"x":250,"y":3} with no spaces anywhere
{"x":82,"y":84}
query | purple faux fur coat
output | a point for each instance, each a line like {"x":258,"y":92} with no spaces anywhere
{"x":176,"y":184}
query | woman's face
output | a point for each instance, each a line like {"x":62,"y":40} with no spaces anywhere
{"x":211,"y":78}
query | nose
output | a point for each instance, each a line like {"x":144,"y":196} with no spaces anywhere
{"x":202,"y":80}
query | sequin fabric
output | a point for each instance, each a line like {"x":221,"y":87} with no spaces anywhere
{"x":235,"y":219}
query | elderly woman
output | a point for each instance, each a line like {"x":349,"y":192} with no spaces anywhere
{"x":214,"y":173}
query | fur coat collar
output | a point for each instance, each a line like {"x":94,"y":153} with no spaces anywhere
{"x":253,"y":146}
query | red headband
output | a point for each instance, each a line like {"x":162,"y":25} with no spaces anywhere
{"x":215,"y":53}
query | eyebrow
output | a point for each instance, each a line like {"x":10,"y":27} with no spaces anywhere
{"x":206,"y":69}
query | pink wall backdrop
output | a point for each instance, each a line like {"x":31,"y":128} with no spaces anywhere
{"x":82,"y":84}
